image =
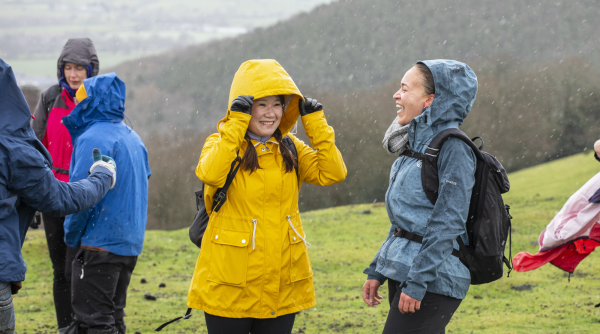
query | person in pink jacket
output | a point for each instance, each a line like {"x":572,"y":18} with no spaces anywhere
{"x":573,"y":233}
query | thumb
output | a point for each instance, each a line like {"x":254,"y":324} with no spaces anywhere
{"x":97,"y":155}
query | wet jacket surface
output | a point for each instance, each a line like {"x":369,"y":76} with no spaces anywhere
{"x":47,"y":123}
{"x":27,"y":183}
{"x":118,"y":222}
{"x":430,"y":266}
{"x":254,"y":262}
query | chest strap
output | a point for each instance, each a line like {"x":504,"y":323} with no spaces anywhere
{"x":400,"y":233}
{"x":60,"y":170}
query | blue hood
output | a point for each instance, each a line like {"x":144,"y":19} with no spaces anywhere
{"x":455,"y":90}
{"x":14,"y":112}
{"x":105,"y":102}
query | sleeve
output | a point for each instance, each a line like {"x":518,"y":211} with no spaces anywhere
{"x":324,"y":164}
{"x":370,"y":271}
{"x":456,"y":170}
{"x":34,"y":182}
{"x":220,"y":150}
{"x":41,"y":118}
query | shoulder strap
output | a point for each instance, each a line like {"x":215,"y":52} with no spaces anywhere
{"x":51,"y":94}
{"x":289,"y":143}
{"x":221,"y":194}
{"x":429,"y":173}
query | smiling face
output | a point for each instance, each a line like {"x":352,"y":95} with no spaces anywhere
{"x":411,"y":98}
{"x":75,"y":74}
{"x":266,"y":116}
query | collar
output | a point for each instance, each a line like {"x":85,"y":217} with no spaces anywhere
{"x":257,"y":137}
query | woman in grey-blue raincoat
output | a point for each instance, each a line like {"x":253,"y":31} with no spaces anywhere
{"x":426,"y":282}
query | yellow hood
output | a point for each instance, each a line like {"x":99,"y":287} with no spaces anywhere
{"x":265,"y":77}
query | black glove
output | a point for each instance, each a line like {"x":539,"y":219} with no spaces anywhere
{"x":242,"y":103}
{"x":309,"y":106}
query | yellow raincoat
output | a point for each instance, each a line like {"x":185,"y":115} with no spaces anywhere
{"x":254,"y":261}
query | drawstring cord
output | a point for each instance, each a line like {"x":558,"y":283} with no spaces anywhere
{"x":298,"y":234}
{"x":254,"y":233}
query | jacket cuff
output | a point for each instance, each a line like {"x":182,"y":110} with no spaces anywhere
{"x":380,"y":278}
{"x":372,"y":274}
{"x":313,"y":120}
{"x":415,"y":291}
{"x":239,"y":118}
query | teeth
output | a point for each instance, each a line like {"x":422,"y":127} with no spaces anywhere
{"x":267,"y":123}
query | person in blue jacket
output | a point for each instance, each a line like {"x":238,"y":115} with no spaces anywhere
{"x":426,"y":283}
{"x":27,"y":184}
{"x":110,"y":235}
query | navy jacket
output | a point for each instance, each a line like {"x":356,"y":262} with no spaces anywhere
{"x":116,"y":224}
{"x":430,"y":266}
{"x":27,"y":183}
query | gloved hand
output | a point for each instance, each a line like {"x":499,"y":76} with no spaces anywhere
{"x":242,"y":103}
{"x":309,"y":106}
{"x":106,"y":162}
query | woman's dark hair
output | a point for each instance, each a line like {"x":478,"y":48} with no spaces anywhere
{"x":428,"y":83}
{"x":250,"y":158}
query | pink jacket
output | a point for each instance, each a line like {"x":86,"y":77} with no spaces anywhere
{"x":571,"y":235}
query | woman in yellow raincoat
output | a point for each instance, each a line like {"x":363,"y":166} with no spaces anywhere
{"x":253,"y":273}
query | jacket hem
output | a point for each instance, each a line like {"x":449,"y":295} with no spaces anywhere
{"x":256,"y":315}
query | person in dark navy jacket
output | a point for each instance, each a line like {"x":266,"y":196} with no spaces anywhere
{"x":27,"y":185}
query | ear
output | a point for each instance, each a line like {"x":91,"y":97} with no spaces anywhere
{"x":429,"y":101}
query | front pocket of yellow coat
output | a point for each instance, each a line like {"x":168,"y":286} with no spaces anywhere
{"x":300,"y":263}
{"x":229,"y":258}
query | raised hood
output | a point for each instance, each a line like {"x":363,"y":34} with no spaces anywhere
{"x":265,"y":77}
{"x":105,"y":102}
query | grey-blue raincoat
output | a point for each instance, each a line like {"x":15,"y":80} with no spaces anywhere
{"x":430,"y":266}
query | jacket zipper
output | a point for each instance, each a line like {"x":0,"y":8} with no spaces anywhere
{"x":298,"y":234}
{"x":254,"y":233}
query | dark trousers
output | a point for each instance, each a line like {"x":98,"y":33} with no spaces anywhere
{"x":222,"y":325}
{"x":433,"y":317}
{"x":61,"y":287}
{"x":99,"y":286}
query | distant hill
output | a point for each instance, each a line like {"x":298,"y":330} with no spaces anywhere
{"x":357,"y":45}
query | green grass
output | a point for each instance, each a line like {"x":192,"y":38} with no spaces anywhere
{"x":343,"y":243}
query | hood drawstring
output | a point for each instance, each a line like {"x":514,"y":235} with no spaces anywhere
{"x":298,"y":234}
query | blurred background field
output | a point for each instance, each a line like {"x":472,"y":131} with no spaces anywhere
{"x":344,"y":240}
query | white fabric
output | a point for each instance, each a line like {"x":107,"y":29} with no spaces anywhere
{"x":110,"y":167}
{"x":575,"y":219}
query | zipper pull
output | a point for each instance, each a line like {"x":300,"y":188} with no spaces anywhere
{"x":81,"y":277}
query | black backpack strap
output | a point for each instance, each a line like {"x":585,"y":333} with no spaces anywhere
{"x":51,"y":94}
{"x":289,"y":143}
{"x":429,"y":173}
{"x":187,"y":315}
{"x":221,"y":194}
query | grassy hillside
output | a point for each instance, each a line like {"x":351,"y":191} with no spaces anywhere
{"x":344,"y":240}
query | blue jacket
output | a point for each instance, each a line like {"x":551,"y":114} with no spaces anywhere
{"x":116,"y":224}
{"x":430,"y":266}
{"x":27,"y":183}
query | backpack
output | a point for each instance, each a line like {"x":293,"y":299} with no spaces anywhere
{"x":201,"y":220}
{"x":51,"y":94}
{"x":489,"y":221}
{"x":200,"y":223}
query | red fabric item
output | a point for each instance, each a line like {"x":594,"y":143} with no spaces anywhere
{"x":565,"y":257}
{"x":57,"y":138}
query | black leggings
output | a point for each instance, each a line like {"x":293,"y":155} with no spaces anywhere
{"x":61,"y":287}
{"x":222,"y":325}
{"x":433,"y":317}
